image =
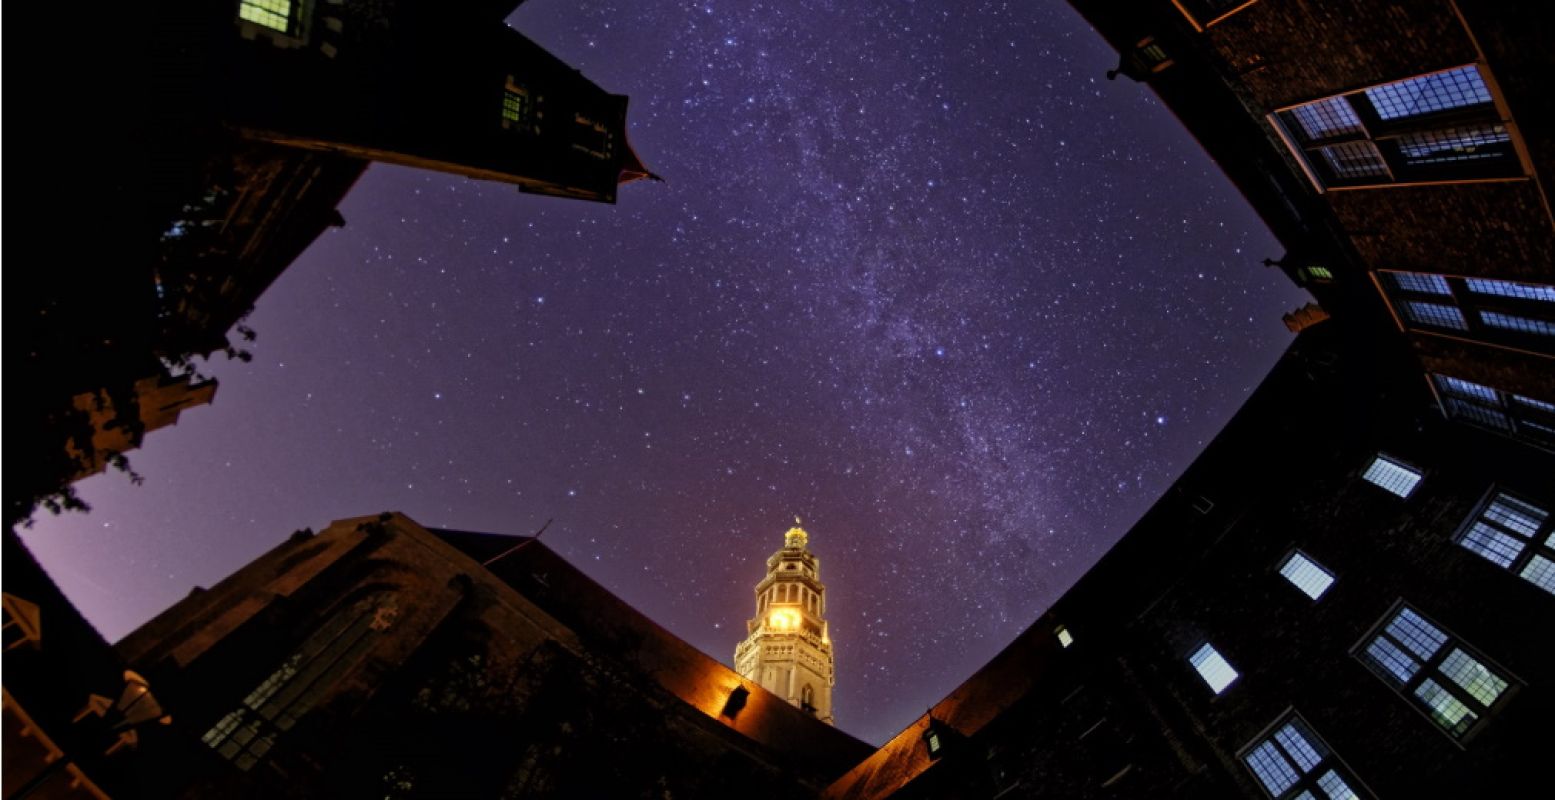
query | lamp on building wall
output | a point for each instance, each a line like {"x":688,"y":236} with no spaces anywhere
{"x":136,"y":704}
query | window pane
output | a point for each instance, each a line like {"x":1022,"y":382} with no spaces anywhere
{"x":1450,"y":145}
{"x":1297,"y":745}
{"x":1539,"y":404}
{"x":1485,"y":416}
{"x":1540,"y":571}
{"x":1354,"y":160}
{"x":1393,"y":476}
{"x":1306,"y":575}
{"x":1446,"y":709}
{"x":1396,"y":662}
{"x":1481,"y":684}
{"x":1494,"y":545}
{"x":1327,"y":118}
{"x":1335,"y":787}
{"x":1464,"y":388}
{"x":1441,"y":316}
{"x":1524,"y":291}
{"x":1273,"y":771}
{"x":273,"y":14}
{"x":1413,"y":632}
{"x":1422,"y":282}
{"x":1429,"y":93}
{"x":1511,"y":322}
{"x":1213,"y":668}
{"x":1515,"y":515}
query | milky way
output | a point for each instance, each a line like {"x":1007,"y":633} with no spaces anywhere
{"x":919,"y":273}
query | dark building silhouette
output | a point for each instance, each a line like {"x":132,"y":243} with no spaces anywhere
{"x":382,"y":658}
{"x":237,"y":128}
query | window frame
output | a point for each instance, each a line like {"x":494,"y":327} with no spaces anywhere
{"x":1389,"y":139}
{"x":1539,"y":544}
{"x":1306,"y":780}
{"x":1232,"y":8}
{"x":1430,"y":669}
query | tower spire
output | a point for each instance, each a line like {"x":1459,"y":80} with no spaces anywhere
{"x":788,"y":647}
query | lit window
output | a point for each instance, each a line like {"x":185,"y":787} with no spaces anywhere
{"x":273,"y":14}
{"x":1513,"y":322}
{"x":1419,"y":282}
{"x":1065,"y":638}
{"x":1392,"y":475}
{"x":1319,"y":274}
{"x":1522,"y":417}
{"x":1453,"y":685}
{"x":1292,"y":762}
{"x":1306,"y":575}
{"x":1213,"y":668}
{"x":1326,"y":119}
{"x":1393,"y":133}
{"x":1515,"y":535}
{"x":517,"y":110}
{"x":1522,"y":291}
{"x":1496,"y":311}
{"x":1427,"y":94}
{"x":1433,"y":314}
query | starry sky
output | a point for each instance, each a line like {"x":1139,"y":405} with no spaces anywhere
{"x":919,"y":273}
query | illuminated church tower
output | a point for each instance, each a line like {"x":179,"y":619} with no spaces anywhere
{"x":788,"y":650}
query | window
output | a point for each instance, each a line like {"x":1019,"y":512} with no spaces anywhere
{"x":1515,"y":535}
{"x":1065,"y":638}
{"x":1213,"y":667}
{"x":1438,"y":673}
{"x":1290,"y":761}
{"x":1496,"y":311}
{"x":246,"y":734}
{"x":1438,"y":127}
{"x":1315,"y":274}
{"x":1515,"y":415}
{"x":517,"y":107}
{"x":1306,"y":575}
{"x":1392,"y":475}
{"x":277,"y":15}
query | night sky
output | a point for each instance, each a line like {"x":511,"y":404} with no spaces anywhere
{"x":919,"y":273}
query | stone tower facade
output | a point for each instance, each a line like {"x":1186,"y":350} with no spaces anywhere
{"x":788,"y":649}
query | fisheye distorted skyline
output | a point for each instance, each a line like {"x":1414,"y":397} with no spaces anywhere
{"x":919,"y":273}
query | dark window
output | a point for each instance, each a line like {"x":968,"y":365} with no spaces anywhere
{"x":1513,"y":534}
{"x":1438,"y":673}
{"x":246,"y":734}
{"x":1438,"y":127}
{"x":1291,"y":762}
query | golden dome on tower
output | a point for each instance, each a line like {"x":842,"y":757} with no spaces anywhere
{"x":796,"y":536}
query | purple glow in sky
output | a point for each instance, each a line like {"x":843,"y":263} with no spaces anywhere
{"x":919,"y":274}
